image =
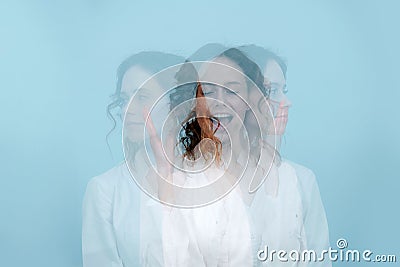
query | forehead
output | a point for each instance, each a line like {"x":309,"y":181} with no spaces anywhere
{"x":273,"y":72}
{"x":134,"y":77}
{"x":221,"y":71}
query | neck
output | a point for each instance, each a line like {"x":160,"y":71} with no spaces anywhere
{"x":232,"y":152}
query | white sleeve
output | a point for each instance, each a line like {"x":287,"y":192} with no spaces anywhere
{"x":315,"y":223}
{"x":99,"y":247}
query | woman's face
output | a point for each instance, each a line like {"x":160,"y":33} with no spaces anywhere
{"x":278,"y":99}
{"x":226,"y":90}
{"x":277,"y":102}
{"x":145,"y":97}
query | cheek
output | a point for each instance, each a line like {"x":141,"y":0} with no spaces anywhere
{"x":134,"y":133}
{"x":134,"y":106}
{"x":254,"y":99}
{"x":240,"y":107}
{"x":240,"y":110}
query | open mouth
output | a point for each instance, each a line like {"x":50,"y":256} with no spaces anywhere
{"x":223,"y":118}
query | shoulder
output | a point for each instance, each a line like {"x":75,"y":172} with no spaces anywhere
{"x":307,"y":185}
{"x":112,"y":176}
{"x":105,"y":183}
{"x":305,"y":176}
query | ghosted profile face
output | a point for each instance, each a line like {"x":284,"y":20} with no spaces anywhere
{"x":280,"y":103}
{"x":226,"y":91}
{"x":277,"y":101}
{"x":144,"y":98}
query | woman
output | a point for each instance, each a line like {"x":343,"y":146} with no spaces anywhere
{"x":112,"y":204}
{"x":226,"y":232}
{"x":315,"y":234}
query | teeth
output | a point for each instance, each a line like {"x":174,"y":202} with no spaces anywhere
{"x":222,"y":115}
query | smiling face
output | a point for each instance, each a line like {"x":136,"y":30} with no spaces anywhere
{"x":274,"y":76}
{"x":277,"y":103}
{"x":226,"y":91}
{"x":144,"y":97}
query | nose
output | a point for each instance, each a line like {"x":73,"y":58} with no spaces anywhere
{"x":217,"y":98}
{"x":132,"y":109}
{"x":219,"y":93}
{"x":285,"y":101}
{"x":281,"y":98}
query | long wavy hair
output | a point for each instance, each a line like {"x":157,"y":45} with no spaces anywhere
{"x":198,"y":126}
{"x":261,"y":56}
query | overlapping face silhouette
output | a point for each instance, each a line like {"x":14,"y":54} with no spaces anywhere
{"x":154,"y":117}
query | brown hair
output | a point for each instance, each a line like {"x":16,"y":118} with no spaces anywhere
{"x":198,"y":126}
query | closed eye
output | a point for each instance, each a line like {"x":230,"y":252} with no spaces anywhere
{"x":232,"y":92}
{"x":208,"y":93}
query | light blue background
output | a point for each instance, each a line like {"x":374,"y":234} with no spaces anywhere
{"x":57,"y":69}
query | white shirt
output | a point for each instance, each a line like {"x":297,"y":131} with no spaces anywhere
{"x":124,"y":227}
{"x":214,"y":235}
